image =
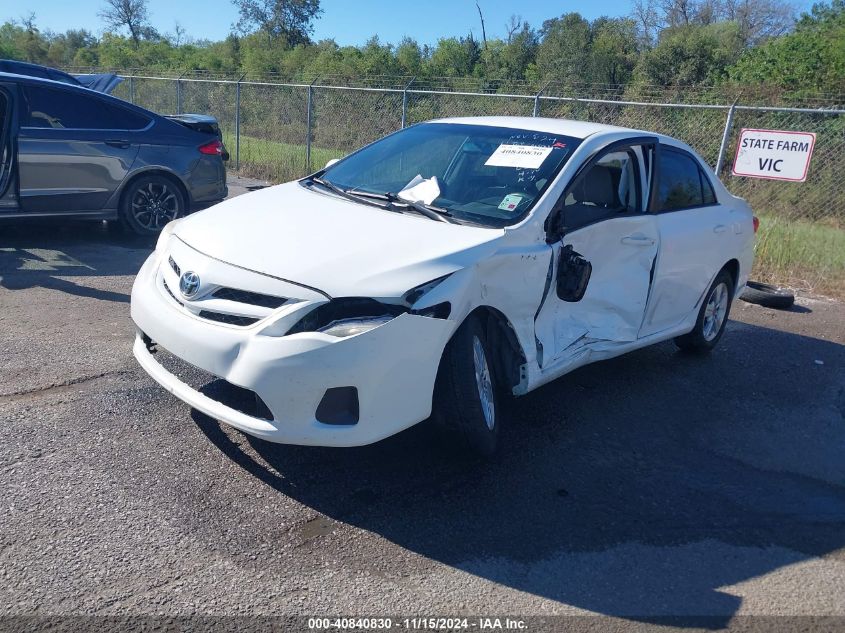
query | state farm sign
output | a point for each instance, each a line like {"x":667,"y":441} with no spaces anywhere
{"x":774,"y":154}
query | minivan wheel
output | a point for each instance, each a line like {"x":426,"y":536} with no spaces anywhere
{"x":149,"y":203}
{"x":466,"y":401}
{"x":712,"y":318}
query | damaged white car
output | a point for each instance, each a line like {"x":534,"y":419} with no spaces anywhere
{"x":439,"y":269}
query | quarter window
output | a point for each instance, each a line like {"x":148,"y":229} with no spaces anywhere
{"x":58,"y":109}
{"x":683,"y":183}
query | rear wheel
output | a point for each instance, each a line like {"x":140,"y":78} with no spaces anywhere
{"x":149,"y":203}
{"x":712,"y":318}
{"x":466,"y":402}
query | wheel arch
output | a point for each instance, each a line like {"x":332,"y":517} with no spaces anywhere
{"x":508,"y":355}
{"x":153,"y":171}
{"x":732,"y":267}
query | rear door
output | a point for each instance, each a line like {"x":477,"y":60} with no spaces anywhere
{"x":695,"y":239}
{"x":606,"y":226}
{"x":74,"y":148}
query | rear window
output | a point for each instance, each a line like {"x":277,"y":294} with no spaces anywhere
{"x":683,"y":183}
{"x":65,"y":109}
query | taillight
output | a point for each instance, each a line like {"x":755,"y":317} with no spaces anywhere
{"x":212,"y":148}
{"x":756,"y":223}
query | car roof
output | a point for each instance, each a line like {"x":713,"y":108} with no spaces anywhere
{"x":564,"y":127}
{"x":50,"y":82}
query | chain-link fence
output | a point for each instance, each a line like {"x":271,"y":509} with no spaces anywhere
{"x":280,"y":131}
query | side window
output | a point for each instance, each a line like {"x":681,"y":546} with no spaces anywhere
{"x":708,"y":195}
{"x":609,"y":188}
{"x":682,"y":182}
{"x":58,"y":109}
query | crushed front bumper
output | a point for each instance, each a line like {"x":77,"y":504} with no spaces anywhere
{"x":393,"y":368}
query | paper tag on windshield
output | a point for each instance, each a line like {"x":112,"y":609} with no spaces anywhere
{"x":524,"y":156}
{"x":510,"y":202}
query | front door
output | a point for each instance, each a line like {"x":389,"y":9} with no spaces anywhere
{"x":8,"y":179}
{"x":608,"y":247}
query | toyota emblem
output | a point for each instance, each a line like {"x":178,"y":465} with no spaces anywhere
{"x":189,"y":284}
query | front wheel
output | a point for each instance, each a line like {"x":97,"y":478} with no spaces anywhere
{"x":712,"y":318}
{"x":465,"y":393}
{"x":149,"y":203}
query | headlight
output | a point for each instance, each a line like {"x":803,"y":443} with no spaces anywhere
{"x":355,"y":315}
{"x":351,"y":327}
{"x":346,"y":317}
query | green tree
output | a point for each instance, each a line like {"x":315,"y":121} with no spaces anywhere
{"x":287,"y":20}
{"x":811,"y":59}
{"x":132,"y":14}
{"x":455,"y":57}
{"x":564,"y":50}
{"x":409,"y":57}
{"x":614,"y":51}
{"x":690,"y":55}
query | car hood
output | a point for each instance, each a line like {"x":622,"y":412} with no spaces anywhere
{"x":337,"y":246}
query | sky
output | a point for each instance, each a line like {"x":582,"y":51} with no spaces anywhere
{"x":349,"y":22}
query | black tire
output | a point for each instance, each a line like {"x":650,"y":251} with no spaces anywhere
{"x":707,"y":332}
{"x":149,"y":203}
{"x":458,"y":406}
{"x":767,"y":295}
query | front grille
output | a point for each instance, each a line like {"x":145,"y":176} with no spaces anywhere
{"x":251,"y":298}
{"x":170,"y":292}
{"x":234,"y":295}
{"x":229,"y":319}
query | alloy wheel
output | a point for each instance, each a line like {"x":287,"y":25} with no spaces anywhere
{"x":484,"y":382}
{"x":154,"y":205}
{"x":715,"y":312}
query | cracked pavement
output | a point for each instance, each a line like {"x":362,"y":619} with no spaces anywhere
{"x":652,"y":484}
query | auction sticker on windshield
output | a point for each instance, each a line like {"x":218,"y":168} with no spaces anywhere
{"x":774,"y":154}
{"x":523,"y":156}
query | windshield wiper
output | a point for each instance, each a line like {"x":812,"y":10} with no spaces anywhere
{"x":355,"y":197}
{"x":428,"y":210}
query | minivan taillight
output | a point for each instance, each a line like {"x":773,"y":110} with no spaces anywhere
{"x":212,"y":148}
{"x":756,"y":221}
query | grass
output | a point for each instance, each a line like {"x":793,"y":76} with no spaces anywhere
{"x":276,"y":161}
{"x":800,"y":254}
{"x":803,"y":255}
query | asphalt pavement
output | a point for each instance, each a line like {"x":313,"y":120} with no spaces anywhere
{"x":655,"y":484}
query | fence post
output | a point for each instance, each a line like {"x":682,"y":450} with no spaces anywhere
{"x":238,"y":123}
{"x":725,"y":138}
{"x":131,"y":89}
{"x":405,"y":102}
{"x":179,"y":94}
{"x":308,"y":123}
{"x":537,"y":100}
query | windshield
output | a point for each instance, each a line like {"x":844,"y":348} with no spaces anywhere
{"x":476,"y":173}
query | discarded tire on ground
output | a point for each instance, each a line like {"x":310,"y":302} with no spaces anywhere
{"x":767,"y":295}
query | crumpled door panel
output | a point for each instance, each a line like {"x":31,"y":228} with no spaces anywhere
{"x":621,"y":252}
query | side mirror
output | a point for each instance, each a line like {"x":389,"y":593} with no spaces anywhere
{"x":573,"y":275}
{"x":331,"y":162}
{"x":555,"y":229}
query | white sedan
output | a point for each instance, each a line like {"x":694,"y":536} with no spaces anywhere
{"x":438,"y":270}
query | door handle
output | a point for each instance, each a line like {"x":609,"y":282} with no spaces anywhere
{"x":118,"y":143}
{"x":637,"y":240}
{"x":720,"y":228}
